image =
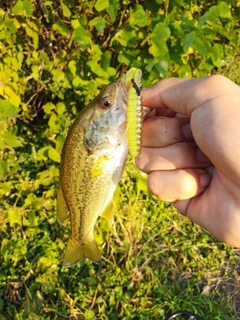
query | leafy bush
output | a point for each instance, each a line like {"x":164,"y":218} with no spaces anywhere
{"x":54,"y":57}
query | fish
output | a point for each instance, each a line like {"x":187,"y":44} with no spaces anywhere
{"x":92,"y":163}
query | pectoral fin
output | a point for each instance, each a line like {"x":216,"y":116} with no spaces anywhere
{"x":75,"y":252}
{"x":99,"y":166}
{"x":62,"y":210}
{"x":108,"y":213}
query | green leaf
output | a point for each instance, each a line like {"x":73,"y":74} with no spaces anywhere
{"x":199,"y":45}
{"x":5,"y":246}
{"x":11,"y":140}
{"x":5,"y":188}
{"x":48,"y":107}
{"x":12,"y":96}
{"x":106,"y":60}
{"x":95,"y":67}
{"x":35,"y":72}
{"x":160,"y":35}
{"x":7,"y":110}
{"x":161,"y":32}
{"x":58,"y":75}
{"x":101,"y":5}
{"x":60,"y":143}
{"x":14,"y":216}
{"x":112,"y":13}
{"x":27,"y":8}
{"x":34,"y":25}
{"x":60,"y":27}
{"x":138,"y":17}
{"x":163,"y":66}
{"x":213,"y":14}
{"x":42,"y":153}
{"x":48,"y":152}
{"x":2,"y":13}
{"x":189,"y":40}
{"x":32,"y":202}
{"x":89,"y":314}
{"x":3,"y":168}
{"x":45,"y":262}
{"x":18,"y":8}
{"x":217,"y":55}
{"x":5,"y":34}
{"x":224,"y":10}
{"x":128,"y":56}
{"x":60,"y":108}
{"x":81,"y":36}
{"x":48,"y":64}
{"x":54,"y":123}
{"x":33,"y":219}
{"x":65,"y":9}
{"x":112,"y":9}
{"x":24,"y":8}
{"x":185,"y":71}
{"x":10,"y":25}
{"x":34,"y":35}
{"x":72,"y":65}
{"x":126,"y":37}
{"x":98,"y":23}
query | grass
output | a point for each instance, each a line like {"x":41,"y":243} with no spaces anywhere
{"x":154,"y":262}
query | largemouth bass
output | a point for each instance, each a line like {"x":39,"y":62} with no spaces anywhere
{"x":92,"y":163}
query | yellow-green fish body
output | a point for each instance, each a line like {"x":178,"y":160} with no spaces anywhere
{"x":92,"y":162}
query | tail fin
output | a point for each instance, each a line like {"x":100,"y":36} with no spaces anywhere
{"x":75,"y":252}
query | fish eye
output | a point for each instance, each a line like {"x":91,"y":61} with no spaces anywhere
{"x":106,"y":103}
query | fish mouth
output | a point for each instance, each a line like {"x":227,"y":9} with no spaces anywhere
{"x":124,"y":94}
{"x":121,"y":83}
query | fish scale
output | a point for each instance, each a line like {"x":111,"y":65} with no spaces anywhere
{"x":91,"y":168}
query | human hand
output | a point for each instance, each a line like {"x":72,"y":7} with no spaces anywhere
{"x":191,"y":151}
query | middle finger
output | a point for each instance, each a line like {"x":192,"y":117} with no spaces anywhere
{"x":160,"y":132}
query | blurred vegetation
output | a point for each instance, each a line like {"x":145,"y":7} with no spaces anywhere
{"x":54,"y":57}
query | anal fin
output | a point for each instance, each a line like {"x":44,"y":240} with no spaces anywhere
{"x":107,"y":213}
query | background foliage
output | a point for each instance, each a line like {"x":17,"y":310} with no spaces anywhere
{"x":54,"y":57}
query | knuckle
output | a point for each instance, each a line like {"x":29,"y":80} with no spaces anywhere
{"x":186,"y":185}
{"x":218,"y":81}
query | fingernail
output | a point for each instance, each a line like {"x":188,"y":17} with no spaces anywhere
{"x":186,"y":130}
{"x":205,"y":179}
{"x":201,"y":156}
